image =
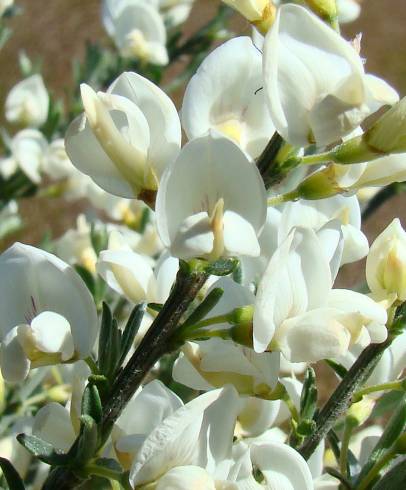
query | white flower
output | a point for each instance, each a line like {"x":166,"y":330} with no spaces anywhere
{"x":214,"y":363}
{"x":131,"y":274}
{"x":380,"y":172}
{"x":282,"y":464}
{"x":27,"y":150}
{"x":315,"y":81}
{"x":202,"y":209}
{"x":251,"y":9}
{"x":217,"y":362}
{"x":48,"y":314}
{"x":218,"y":98}
{"x":296,"y":310}
{"x":198,"y":434}
{"x":10,"y":220}
{"x":386,"y":263}
{"x":56,"y":162}
{"x":60,"y":425}
{"x":27,"y":102}
{"x":4,"y":5}
{"x":348,"y":10}
{"x":150,"y":406}
{"x":53,"y":424}
{"x":75,"y":246}
{"x":175,"y":12}
{"x":315,"y":214}
{"x":283,"y":468}
{"x":137,"y":29}
{"x":126,"y":136}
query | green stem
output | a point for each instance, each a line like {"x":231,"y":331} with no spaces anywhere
{"x":156,"y":342}
{"x":392,"y":385}
{"x":209,"y":321}
{"x":289,"y":196}
{"x":94,"y":469}
{"x":317,"y":158}
{"x":223,"y":333}
{"x":340,"y":400}
{"x":92,"y":365}
{"x":291,"y":406}
{"x":348,"y":428}
{"x":374,"y":472}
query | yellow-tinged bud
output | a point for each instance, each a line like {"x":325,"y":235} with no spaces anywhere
{"x":386,"y":262}
{"x":386,"y":136}
{"x":60,"y":393}
{"x":320,"y":185}
{"x":261,"y":13}
{"x":325,"y":9}
{"x":359,"y":412}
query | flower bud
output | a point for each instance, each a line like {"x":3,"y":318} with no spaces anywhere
{"x":261,"y":13}
{"x":386,"y":136}
{"x":359,"y":412}
{"x":325,"y":9}
{"x":320,"y":185}
{"x":27,"y":102}
{"x":386,"y":262}
{"x":241,"y":331}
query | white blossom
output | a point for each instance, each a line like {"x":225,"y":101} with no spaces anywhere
{"x":217,"y":98}
{"x":202,"y":210}
{"x":126,"y":136}
{"x":27,"y":102}
{"x":48,"y":315}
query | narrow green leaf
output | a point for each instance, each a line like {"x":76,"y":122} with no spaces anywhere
{"x":84,"y":448}
{"x":394,"y":479}
{"x":87,"y":277}
{"x":105,"y":339}
{"x":13,"y":479}
{"x":308,"y":399}
{"x":209,"y":302}
{"x":131,"y":330}
{"x":98,"y":237}
{"x":44,"y":451}
{"x":155,"y":306}
{"x":392,"y":431}
{"x":338,"y":368}
{"x":91,"y":403}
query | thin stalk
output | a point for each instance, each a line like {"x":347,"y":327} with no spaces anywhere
{"x":154,"y":344}
{"x":340,"y":400}
{"x":348,"y":428}
{"x":374,"y":472}
{"x":94,"y":469}
{"x":223,"y":333}
{"x":92,"y":365}
{"x":289,"y":196}
{"x":398,"y":385}
{"x":317,"y":158}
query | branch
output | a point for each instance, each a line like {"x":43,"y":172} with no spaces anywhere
{"x":156,"y":343}
{"x":340,"y":400}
